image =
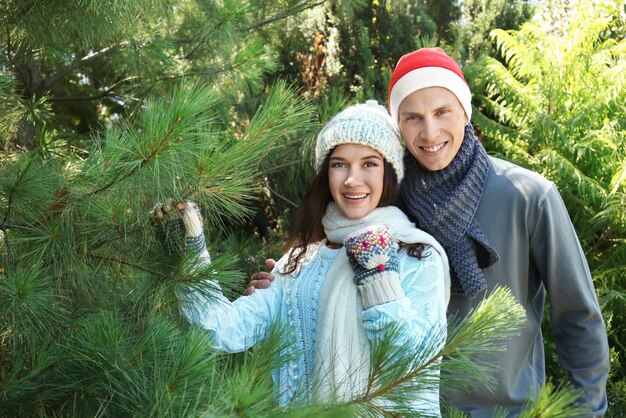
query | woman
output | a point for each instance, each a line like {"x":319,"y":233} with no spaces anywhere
{"x":355,"y":269}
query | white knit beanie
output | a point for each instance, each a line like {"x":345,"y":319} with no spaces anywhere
{"x":366,"y":124}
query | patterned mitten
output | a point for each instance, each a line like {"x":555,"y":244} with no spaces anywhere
{"x":371,"y":251}
{"x":374,"y":259}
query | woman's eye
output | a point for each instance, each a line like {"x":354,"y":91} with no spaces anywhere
{"x":371,"y":164}
{"x":338,"y":165}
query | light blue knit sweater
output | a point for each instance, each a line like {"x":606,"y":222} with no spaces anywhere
{"x":239,"y":325}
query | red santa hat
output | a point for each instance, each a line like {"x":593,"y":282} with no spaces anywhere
{"x":427,"y":67}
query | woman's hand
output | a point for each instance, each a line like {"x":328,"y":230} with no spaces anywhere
{"x":370,"y":251}
{"x":179,"y":226}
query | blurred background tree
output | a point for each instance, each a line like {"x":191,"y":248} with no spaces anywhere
{"x":553,"y":100}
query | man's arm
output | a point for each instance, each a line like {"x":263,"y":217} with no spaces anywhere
{"x":577,"y":325}
{"x":261,"y":279}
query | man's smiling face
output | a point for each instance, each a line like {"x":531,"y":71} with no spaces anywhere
{"x":432,"y":122}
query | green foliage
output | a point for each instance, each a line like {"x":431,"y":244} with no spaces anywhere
{"x":486,"y":329}
{"x":468,"y":37}
{"x":444,"y":14}
{"x":398,"y":371}
{"x":76,"y":207}
{"x":359,"y":45}
{"x":88,"y":308}
{"x":555,"y":402}
{"x":107,"y":107}
{"x":540,"y":108}
{"x":375,"y":41}
{"x":30,"y":305}
{"x":83,"y":64}
{"x":11,"y":105}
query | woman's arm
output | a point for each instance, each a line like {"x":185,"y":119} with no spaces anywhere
{"x":397,"y":289}
{"x":418,"y":321}
{"x":233,"y":326}
{"x":420,"y":312}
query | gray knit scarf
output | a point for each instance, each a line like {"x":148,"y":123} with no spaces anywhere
{"x":444,"y":202}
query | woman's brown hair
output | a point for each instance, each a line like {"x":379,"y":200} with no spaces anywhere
{"x":307,"y":227}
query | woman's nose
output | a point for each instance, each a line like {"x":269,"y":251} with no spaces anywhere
{"x":353,"y":179}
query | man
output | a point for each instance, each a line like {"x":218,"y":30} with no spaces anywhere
{"x":500,"y":224}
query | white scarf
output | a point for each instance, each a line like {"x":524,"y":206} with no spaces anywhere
{"x":342,"y":352}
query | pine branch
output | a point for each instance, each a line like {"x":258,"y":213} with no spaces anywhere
{"x":207,"y":74}
{"x":559,"y":402}
{"x":398,"y":370}
{"x":5,"y":238}
{"x":79,"y":63}
{"x":280,"y":167}
{"x":404,"y":379}
{"x":300,"y":7}
{"x":126,"y":263}
{"x":12,"y":192}
{"x":4,"y":226}
{"x":147,"y":159}
{"x":281,"y":196}
{"x":106,"y":93}
{"x":199,"y":38}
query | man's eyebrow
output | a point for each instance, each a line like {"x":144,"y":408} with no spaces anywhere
{"x":442,"y":106}
{"x":447,"y":104}
{"x":408,"y":112}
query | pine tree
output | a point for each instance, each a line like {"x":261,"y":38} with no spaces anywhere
{"x":88,"y":316}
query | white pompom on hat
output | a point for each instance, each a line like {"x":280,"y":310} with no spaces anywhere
{"x":427,"y":67}
{"x":366,"y":124}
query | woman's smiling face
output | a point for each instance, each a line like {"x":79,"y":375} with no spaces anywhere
{"x":355,"y":177}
